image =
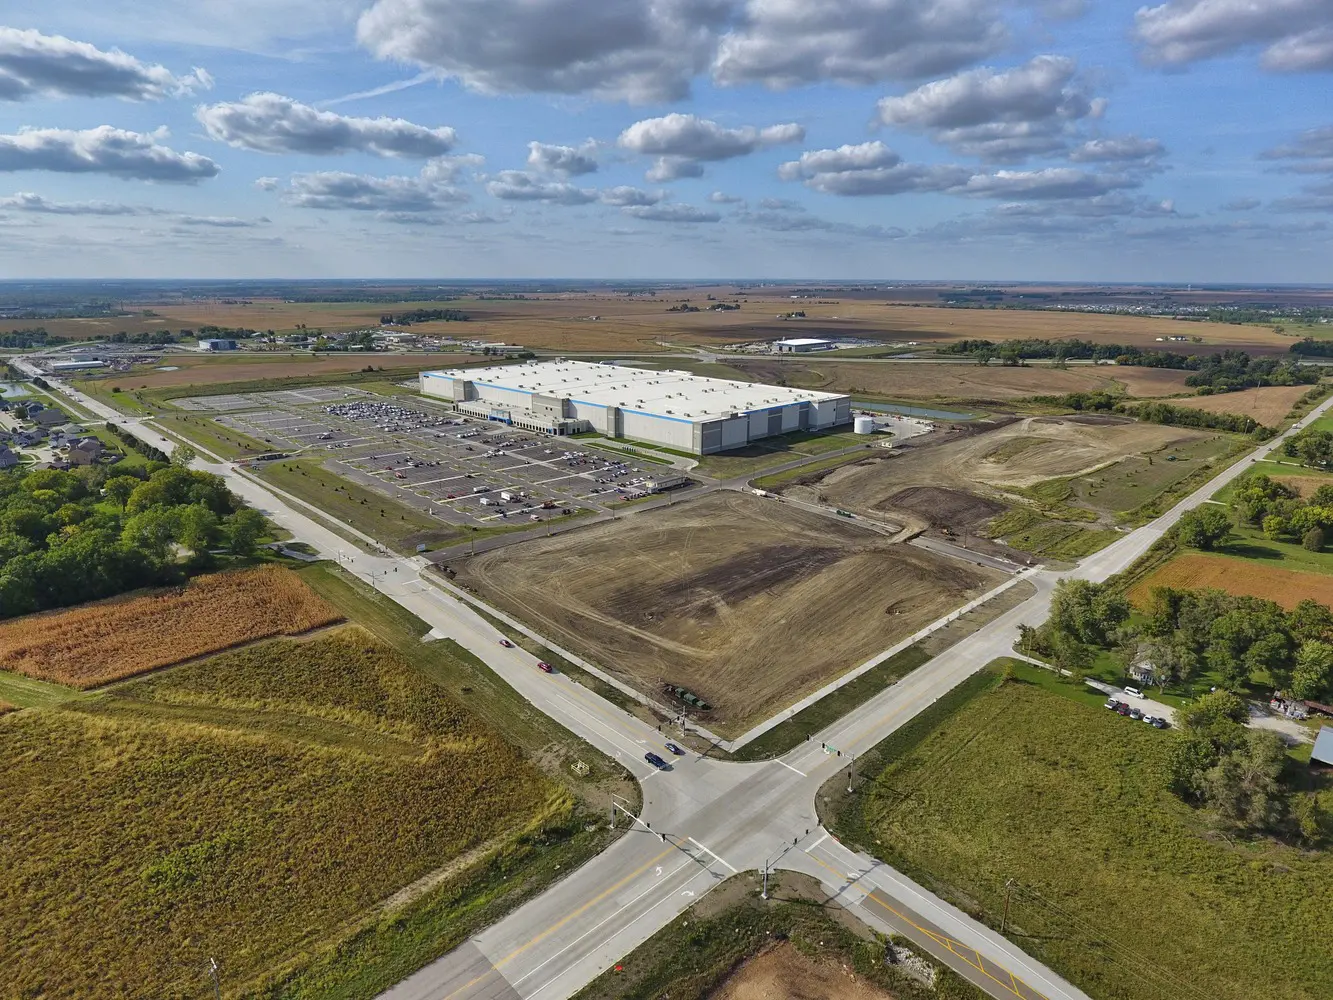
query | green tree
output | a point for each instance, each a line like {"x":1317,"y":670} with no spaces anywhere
{"x":1087,"y":612}
{"x":1310,"y":620}
{"x":1205,"y":528}
{"x":119,"y":489}
{"x":244,"y":529}
{"x":1212,"y":710}
{"x":196,"y":528}
{"x":152,"y":531}
{"x":1313,"y":540}
{"x":183,"y":455}
{"x":1312,"y":679}
{"x":1243,"y":785}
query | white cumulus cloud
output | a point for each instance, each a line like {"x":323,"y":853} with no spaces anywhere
{"x":102,"y":150}
{"x":271,"y":123}
{"x":36,"y":65}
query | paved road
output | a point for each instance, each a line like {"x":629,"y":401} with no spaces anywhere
{"x":702,"y":820}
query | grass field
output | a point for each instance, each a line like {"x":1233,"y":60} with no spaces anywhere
{"x":193,"y":370}
{"x":94,"y":644}
{"x":1117,"y":885}
{"x":1138,"y":480}
{"x":253,"y":807}
{"x":222,"y":441}
{"x":394,"y":523}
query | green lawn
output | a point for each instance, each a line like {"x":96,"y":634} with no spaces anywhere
{"x":395,"y":524}
{"x":1117,"y":885}
{"x":782,"y":478}
{"x":1028,"y":531}
{"x":212,"y":436}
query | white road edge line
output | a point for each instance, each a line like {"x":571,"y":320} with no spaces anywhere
{"x":789,"y":767}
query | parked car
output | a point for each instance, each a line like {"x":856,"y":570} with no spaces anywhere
{"x":1133,"y":692}
{"x":655,"y":760}
{"x":675,"y":749}
{"x":1122,"y":708}
{"x":1135,"y":714}
{"x":506,"y":644}
{"x":1112,"y":704}
{"x":545,"y":667}
{"x":1157,"y":722}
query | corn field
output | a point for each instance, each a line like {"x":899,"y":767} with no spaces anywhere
{"x":106,"y":641}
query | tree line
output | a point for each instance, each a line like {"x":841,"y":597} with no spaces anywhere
{"x":424,"y":316}
{"x":71,"y":537}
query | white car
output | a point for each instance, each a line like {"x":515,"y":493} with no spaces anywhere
{"x":1134,"y":692}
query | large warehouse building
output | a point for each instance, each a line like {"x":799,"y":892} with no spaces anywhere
{"x":671,"y":408}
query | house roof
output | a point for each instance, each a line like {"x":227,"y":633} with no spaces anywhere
{"x":1323,"y":746}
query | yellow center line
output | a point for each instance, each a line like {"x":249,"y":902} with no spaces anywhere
{"x":942,"y":940}
{"x":495,"y":967}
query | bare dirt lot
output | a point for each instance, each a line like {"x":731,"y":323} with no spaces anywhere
{"x":1148,"y":383}
{"x":783,"y":973}
{"x":748,"y":603}
{"x":1269,"y":405}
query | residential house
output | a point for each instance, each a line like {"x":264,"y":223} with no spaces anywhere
{"x":7,"y":458}
{"x":85,"y":451}
{"x":29,"y":436}
{"x":48,"y":418}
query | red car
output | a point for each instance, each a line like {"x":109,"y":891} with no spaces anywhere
{"x":506,"y":644}
{"x":545,"y":667}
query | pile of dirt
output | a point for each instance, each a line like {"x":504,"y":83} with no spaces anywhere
{"x":783,"y":973}
{"x":945,"y":508}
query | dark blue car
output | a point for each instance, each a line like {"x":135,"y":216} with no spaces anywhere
{"x":655,"y":760}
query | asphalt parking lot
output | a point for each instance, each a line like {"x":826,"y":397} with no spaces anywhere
{"x":429,"y":457}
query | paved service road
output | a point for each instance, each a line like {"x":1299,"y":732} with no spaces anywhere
{"x":702,"y":820}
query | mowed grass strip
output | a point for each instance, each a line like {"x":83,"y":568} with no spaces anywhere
{"x":1239,"y":577}
{"x":110,"y":640}
{"x":258,"y":807}
{"x":1118,"y":885}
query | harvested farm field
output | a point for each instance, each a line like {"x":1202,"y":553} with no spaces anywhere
{"x":1241,"y":578}
{"x":748,"y":603}
{"x":1148,"y":383}
{"x":105,"y":641}
{"x":1268,"y":405}
{"x":783,"y":973}
{"x":915,"y":380}
{"x":203,"y":370}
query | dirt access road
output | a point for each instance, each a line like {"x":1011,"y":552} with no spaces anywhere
{"x":749,"y":603}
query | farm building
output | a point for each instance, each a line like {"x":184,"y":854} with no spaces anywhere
{"x":671,"y":408}
{"x":1322,"y":754}
{"x":801,"y":345}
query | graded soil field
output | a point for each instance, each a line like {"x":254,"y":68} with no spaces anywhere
{"x":109,"y":640}
{"x":1114,"y":882}
{"x":1269,"y":405}
{"x":1002,"y":454}
{"x":1242,"y":578}
{"x":1148,"y":383}
{"x":783,"y":973}
{"x":749,"y":603}
{"x":260,"y":807}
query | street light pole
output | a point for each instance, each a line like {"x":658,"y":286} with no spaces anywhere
{"x":213,"y":974}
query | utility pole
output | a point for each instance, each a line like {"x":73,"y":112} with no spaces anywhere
{"x":213,"y":975}
{"x":764,"y":894}
{"x":851,"y":776}
{"x":1004,"y":921}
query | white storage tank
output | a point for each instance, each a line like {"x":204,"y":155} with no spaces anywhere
{"x":864,"y":425}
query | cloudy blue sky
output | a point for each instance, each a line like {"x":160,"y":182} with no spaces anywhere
{"x":887,"y":139}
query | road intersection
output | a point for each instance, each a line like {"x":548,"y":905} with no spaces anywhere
{"x":702,"y":819}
